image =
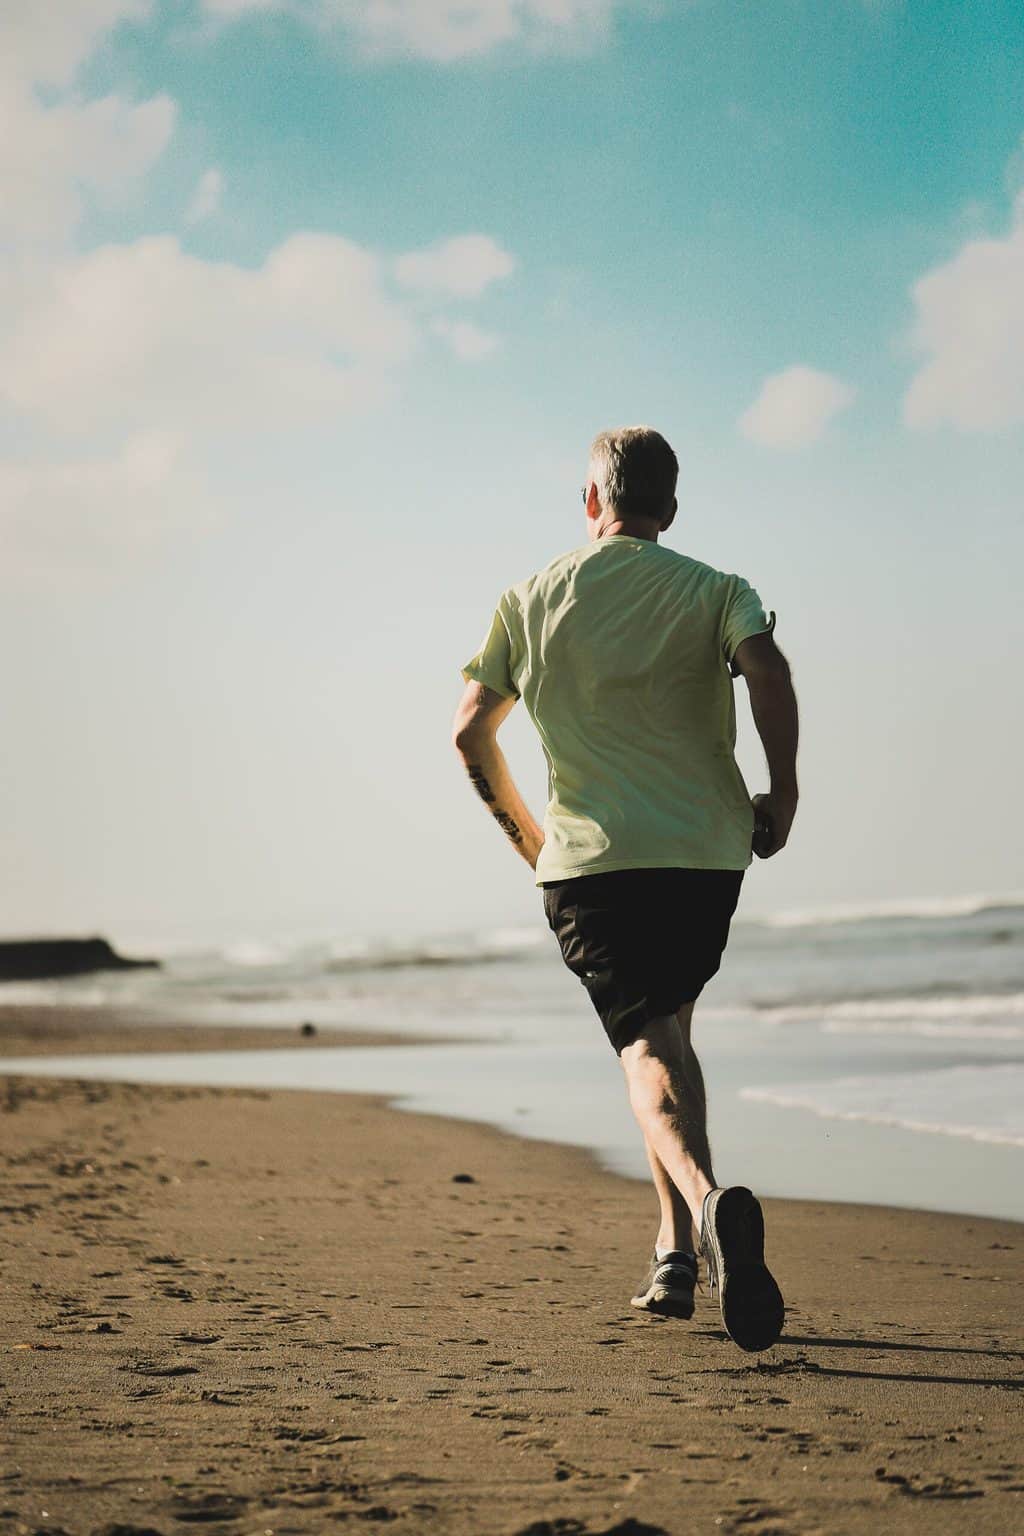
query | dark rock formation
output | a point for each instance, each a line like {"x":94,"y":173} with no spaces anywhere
{"x":41,"y":959}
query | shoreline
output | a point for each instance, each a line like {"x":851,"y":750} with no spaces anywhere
{"x":43,"y":1029}
{"x":397,"y":1103}
{"x":319,"y":1318}
{"x":107,"y":1044}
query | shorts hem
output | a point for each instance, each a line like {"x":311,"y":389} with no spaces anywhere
{"x":652,"y":1014}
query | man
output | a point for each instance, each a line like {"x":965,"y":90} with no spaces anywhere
{"x":623,"y":652}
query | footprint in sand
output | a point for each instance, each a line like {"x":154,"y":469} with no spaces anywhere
{"x":940,"y":1486}
{"x":205,"y":1508}
{"x":118,"y":1528}
{"x":160,"y":1368}
{"x":564,"y":1525}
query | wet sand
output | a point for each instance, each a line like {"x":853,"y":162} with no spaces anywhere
{"x":42,"y":1030}
{"x":293,"y":1312}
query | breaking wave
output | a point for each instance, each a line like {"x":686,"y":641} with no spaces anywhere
{"x":1009,"y":904}
{"x":979,"y":1103}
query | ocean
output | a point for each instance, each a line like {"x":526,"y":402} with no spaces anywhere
{"x":872,"y":1055}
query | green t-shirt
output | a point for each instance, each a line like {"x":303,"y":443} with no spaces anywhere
{"x":622,"y":651}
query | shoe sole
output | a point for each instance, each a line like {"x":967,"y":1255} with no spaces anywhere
{"x":664,"y":1302}
{"x":753,"y":1310}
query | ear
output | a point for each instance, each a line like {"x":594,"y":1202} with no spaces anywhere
{"x":593,"y":503}
{"x":667,"y":523}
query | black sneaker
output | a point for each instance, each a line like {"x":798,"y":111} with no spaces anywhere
{"x":732,"y":1242}
{"x":667,"y":1288}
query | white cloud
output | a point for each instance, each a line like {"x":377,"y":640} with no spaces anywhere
{"x":46,"y":41}
{"x":462,"y":267}
{"x":445,"y":30}
{"x":145,"y":334}
{"x":53,"y":152}
{"x":467,"y":341}
{"x":794,"y":407}
{"x":207,"y":196}
{"x":149,"y":347}
{"x":59,"y":148}
{"x":969,"y":328}
{"x":142,"y":335}
{"x":167,"y":352}
{"x":50,"y":155}
{"x":56,"y":518}
{"x":232,"y":8}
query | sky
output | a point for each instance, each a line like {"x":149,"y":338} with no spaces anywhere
{"x":309,"y":310}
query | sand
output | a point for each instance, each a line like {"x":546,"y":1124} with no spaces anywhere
{"x":292,"y":1312}
{"x":42,"y":1030}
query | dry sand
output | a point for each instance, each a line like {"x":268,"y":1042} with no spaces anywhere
{"x":288,"y":1312}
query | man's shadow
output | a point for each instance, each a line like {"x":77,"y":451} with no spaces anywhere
{"x":795,"y":1367}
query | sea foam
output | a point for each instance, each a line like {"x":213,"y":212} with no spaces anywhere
{"x":983,"y":1103}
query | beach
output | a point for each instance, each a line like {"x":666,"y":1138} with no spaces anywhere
{"x":41,"y":1030}
{"x":869,"y":1056}
{"x":282,"y":1310}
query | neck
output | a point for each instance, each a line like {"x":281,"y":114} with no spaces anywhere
{"x":633,"y":530}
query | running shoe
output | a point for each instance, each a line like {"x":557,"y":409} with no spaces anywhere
{"x":667,"y":1288}
{"x":732,"y":1242}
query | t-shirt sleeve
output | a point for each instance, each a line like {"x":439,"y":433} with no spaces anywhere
{"x":743,"y":616}
{"x":493,"y":662}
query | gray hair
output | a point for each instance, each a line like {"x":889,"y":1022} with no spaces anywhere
{"x":635,"y":471}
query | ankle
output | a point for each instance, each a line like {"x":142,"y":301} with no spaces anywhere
{"x":676,"y":1240}
{"x":701,"y":1191}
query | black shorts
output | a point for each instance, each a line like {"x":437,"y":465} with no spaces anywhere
{"x":642,"y":941}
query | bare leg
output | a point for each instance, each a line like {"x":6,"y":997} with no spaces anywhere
{"x":677,"y":1230}
{"x":676,"y":1227}
{"x":695,"y":1078}
{"x":666,"y":1093}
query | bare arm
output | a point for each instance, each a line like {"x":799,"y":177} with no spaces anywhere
{"x":774,"y":708}
{"x":474,"y":734}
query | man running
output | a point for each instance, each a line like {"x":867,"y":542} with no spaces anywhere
{"x":623,"y":652}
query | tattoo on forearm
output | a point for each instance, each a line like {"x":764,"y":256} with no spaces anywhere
{"x":508,"y":825}
{"x":480,"y":783}
{"x":484,"y":790}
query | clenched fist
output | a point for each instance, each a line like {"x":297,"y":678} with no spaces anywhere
{"x":773,"y":817}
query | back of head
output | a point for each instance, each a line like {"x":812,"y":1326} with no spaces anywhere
{"x":635,"y":472}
